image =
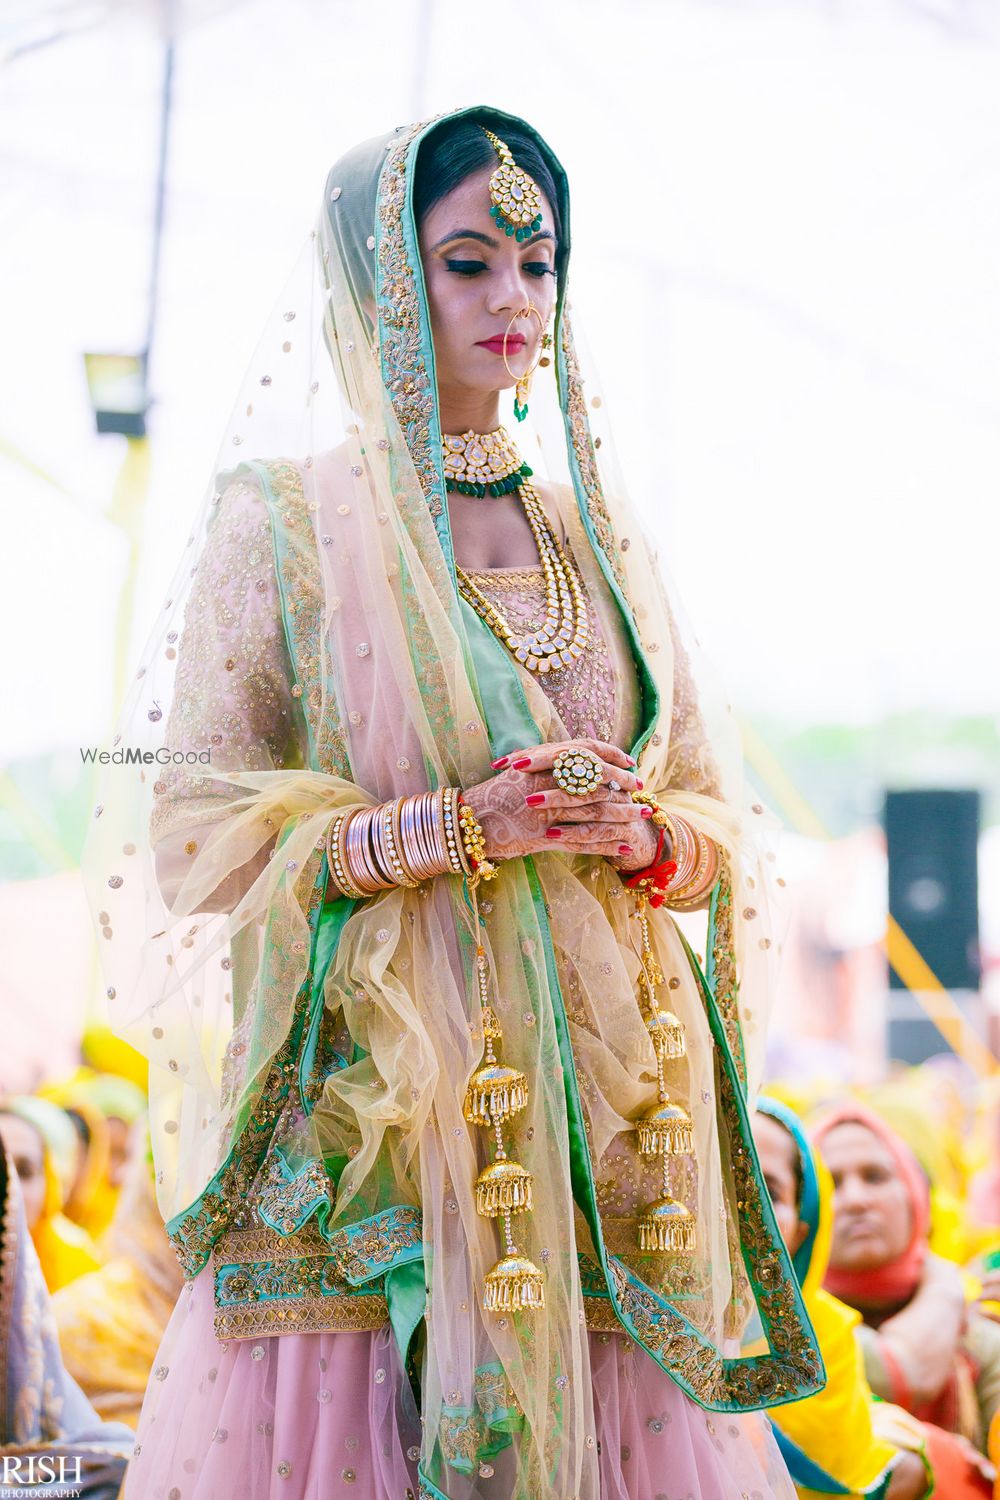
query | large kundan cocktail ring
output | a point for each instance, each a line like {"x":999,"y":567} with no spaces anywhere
{"x":577,"y":772}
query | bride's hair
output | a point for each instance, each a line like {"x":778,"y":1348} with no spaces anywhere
{"x":452,"y":151}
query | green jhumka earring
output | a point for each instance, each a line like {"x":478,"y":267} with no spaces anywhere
{"x":517,"y":202}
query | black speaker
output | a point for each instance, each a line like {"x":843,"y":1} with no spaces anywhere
{"x":932,"y":837}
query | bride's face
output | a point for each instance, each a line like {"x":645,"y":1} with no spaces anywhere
{"x":477,"y":278}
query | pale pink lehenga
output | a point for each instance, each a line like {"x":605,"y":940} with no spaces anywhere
{"x":313,"y":1416}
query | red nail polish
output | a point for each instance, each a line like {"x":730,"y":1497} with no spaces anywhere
{"x":553,"y":833}
{"x":645,"y":812}
{"x":638,"y":783}
{"x":536,"y":799}
{"x":496,"y":764}
{"x":519,"y":765}
{"x":625,"y":849}
{"x":631,"y":760}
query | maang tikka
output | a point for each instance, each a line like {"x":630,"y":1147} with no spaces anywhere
{"x":517,"y":202}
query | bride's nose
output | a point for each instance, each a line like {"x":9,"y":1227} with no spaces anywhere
{"x":508,"y":293}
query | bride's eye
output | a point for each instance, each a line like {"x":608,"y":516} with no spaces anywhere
{"x":466,"y":267}
{"x":539,"y":268}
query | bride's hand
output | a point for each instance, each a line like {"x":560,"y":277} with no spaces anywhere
{"x":522,"y":811}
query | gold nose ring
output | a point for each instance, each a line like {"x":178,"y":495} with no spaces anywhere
{"x":524,"y":312}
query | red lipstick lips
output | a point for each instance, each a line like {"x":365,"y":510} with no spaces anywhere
{"x":515,"y":343}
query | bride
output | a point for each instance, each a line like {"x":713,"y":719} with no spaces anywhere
{"x":450,"y":1121}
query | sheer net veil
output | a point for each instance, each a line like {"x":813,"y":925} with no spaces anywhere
{"x":314,"y":654}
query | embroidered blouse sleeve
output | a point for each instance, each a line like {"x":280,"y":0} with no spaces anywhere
{"x":232,"y":696}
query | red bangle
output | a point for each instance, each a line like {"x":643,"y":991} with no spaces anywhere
{"x":654,"y":879}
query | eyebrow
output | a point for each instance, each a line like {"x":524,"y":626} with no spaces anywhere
{"x":485,"y":239}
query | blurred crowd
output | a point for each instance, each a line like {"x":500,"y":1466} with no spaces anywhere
{"x":888,"y":1202}
{"x":90,"y":1275}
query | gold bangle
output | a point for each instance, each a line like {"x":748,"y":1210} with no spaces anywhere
{"x":362,"y":861}
{"x":435,"y":829}
{"x":358,"y":866}
{"x":704,"y":877}
{"x":404,"y":842}
{"x":456,"y":849}
{"x":412,"y":879}
{"x":386,"y":823}
{"x":426,"y":819}
{"x":418,"y":850}
{"x":343,"y":839}
{"x":377,"y":852}
{"x":685,"y":854}
{"x":334,"y":858}
{"x":422,"y":841}
{"x":688,"y":887}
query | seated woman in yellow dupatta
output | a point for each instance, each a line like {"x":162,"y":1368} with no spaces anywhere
{"x":111,"y":1320}
{"x":104,"y":1108}
{"x":41,"y":1141}
{"x":836,"y":1442}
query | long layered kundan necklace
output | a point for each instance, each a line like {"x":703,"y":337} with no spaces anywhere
{"x":487,"y":463}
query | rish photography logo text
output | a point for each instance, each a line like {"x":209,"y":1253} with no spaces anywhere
{"x":21,"y":1476}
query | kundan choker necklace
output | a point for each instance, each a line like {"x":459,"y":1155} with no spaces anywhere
{"x":487,"y":463}
{"x":483,"y":463}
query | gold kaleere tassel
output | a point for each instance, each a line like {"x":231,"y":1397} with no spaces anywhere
{"x":513,"y":1284}
{"x":666,"y":1033}
{"x":667,"y":1130}
{"x":494,"y":1093}
{"x":667,"y":1225}
{"x":504,"y":1187}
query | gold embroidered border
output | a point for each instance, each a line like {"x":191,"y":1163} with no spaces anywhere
{"x":342,"y":1314}
{"x":410,"y":387}
{"x":302,"y":588}
{"x":794,"y":1363}
{"x":586,"y":458}
{"x":601,"y":1316}
{"x":194,"y":1232}
{"x":509,"y":580}
{"x":726,"y":979}
{"x":277,"y":1279}
{"x":259,"y":1243}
